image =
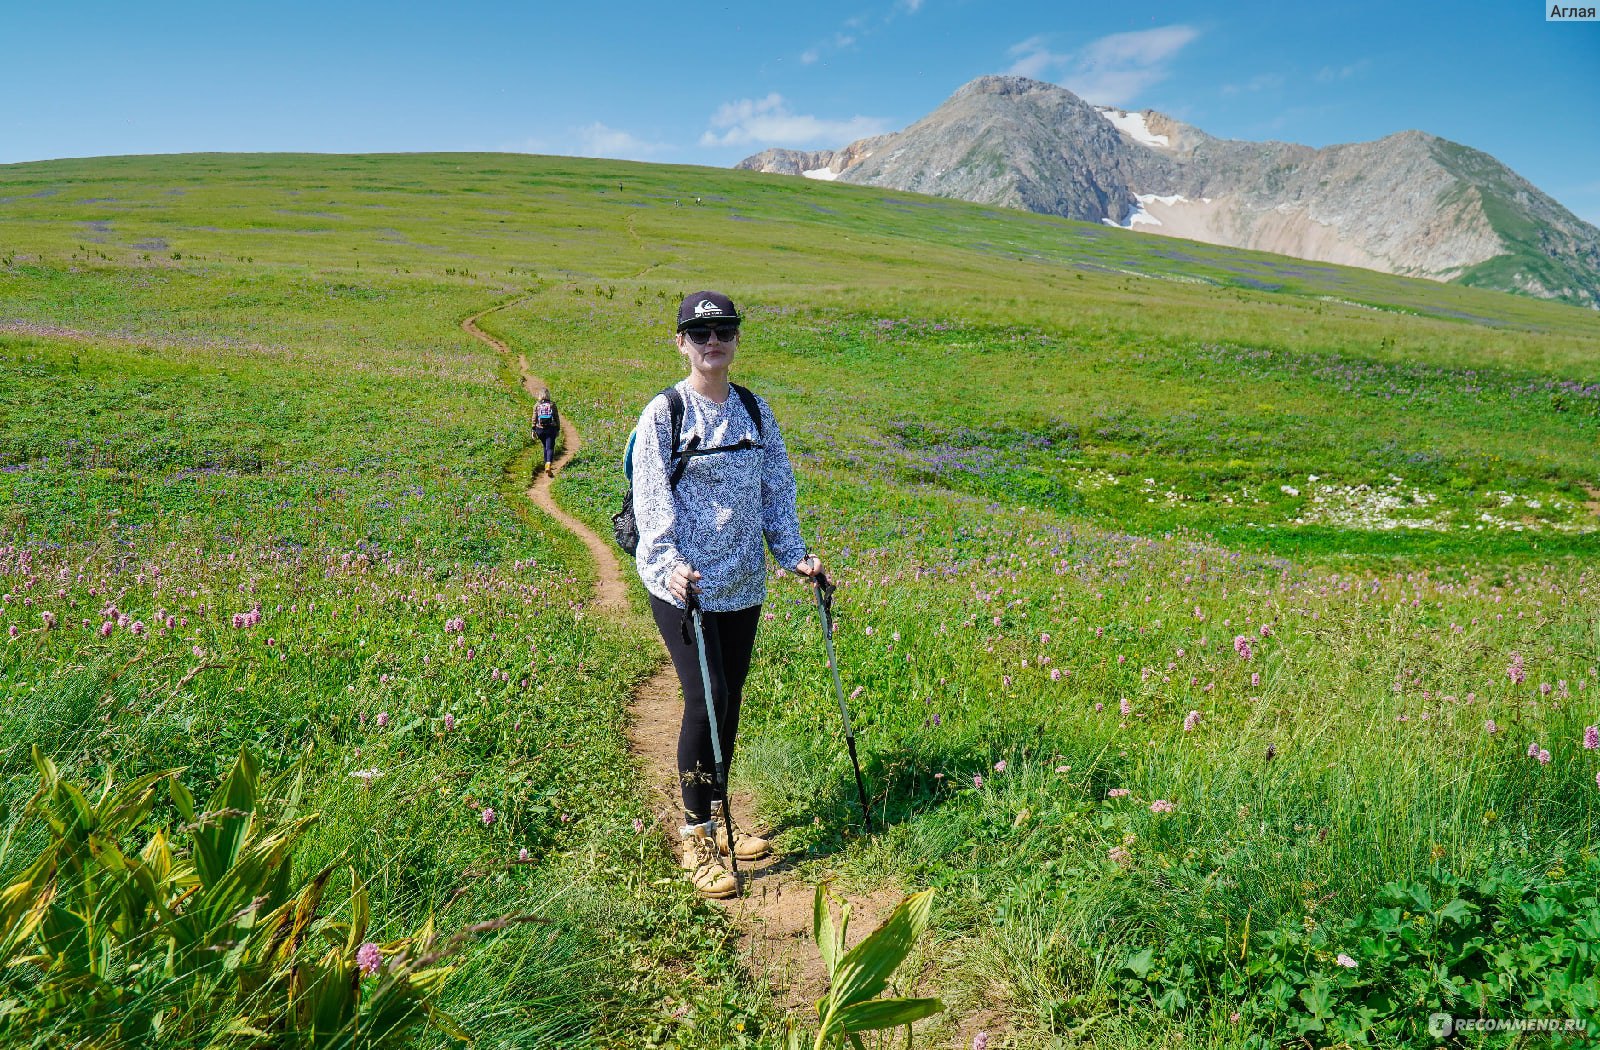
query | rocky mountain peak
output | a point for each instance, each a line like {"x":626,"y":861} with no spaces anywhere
{"x":1409,"y":203}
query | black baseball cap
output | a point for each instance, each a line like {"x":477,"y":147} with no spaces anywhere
{"x":706,"y":308}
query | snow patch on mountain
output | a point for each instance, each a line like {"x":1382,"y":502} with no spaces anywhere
{"x":1134,"y":126}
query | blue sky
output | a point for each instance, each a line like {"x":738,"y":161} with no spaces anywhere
{"x":702,"y":84}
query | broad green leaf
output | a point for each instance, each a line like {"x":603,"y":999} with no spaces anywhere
{"x":885,"y":1013}
{"x":1141,"y":961}
{"x":360,"y":911}
{"x":822,"y":929}
{"x":182,"y":798}
{"x":865,"y":970}
{"x":226,"y":823}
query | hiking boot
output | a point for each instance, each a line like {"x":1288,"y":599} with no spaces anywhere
{"x":703,"y":865}
{"x":745,"y":845}
{"x":549,"y":470}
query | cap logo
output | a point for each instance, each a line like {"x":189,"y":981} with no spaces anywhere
{"x":706,"y":306}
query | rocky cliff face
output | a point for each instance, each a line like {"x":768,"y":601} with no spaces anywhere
{"x":1410,"y":203}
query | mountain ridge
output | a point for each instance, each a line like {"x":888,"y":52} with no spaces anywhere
{"x":1409,"y":203}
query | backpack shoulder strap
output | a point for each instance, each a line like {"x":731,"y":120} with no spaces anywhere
{"x":750,"y":405}
{"x":675,"y":409}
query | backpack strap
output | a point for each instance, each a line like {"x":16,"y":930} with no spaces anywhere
{"x":750,"y":405}
{"x":675,"y":410}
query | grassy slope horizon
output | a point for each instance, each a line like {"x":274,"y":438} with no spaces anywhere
{"x":1032,"y":426}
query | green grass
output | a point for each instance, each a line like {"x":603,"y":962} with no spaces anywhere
{"x":247,"y":372}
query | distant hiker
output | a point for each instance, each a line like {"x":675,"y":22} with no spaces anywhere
{"x":546,"y":425}
{"x":706,"y":505}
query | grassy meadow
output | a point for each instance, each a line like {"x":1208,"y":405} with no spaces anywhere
{"x":1221,"y":628}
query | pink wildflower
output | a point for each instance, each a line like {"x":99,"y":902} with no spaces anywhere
{"x":1161,"y":805}
{"x":1490,"y":727}
{"x":1099,"y":707}
{"x":523,"y":855}
{"x":1255,"y":680}
{"x":1344,"y":960}
{"x":1125,"y":707}
{"x":1533,"y":750}
{"x":977,"y":780}
{"x":1119,"y":856}
{"x":1044,"y":639}
{"x":1000,"y":766}
{"x":1241,"y":645}
{"x":1514,"y":670}
{"x":13,"y":631}
{"x":1544,"y":757}
{"x":1191,"y":720}
{"x":1117,"y":793}
{"x":980,"y":1041}
{"x":638,"y":825}
{"x":383,"y":719}
{"x":1055,"y":674}
{"x":449,"y":722}
{"x":369,"y":958}
{"x":487,"y":816}
{"x":1591,"y":738}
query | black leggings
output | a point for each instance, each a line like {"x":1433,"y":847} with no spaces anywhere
{"x":730,"y":638}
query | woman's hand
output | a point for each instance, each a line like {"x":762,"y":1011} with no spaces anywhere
{"x":810,"y":565}
{"x":683,"y":579}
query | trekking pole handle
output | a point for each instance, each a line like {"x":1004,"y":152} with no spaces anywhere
{"x":825,"y":588}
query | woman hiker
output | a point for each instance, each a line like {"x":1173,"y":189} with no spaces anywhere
{"x":704,"y":535}
{"x":546,"y":425}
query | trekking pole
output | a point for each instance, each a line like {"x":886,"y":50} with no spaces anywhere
{"x":692,"y":607}
{"x":825,"y":607}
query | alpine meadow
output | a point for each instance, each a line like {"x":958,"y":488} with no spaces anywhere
{"x":1221,"y":630}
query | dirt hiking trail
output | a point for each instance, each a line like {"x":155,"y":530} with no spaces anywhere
{"x":773,"y":914}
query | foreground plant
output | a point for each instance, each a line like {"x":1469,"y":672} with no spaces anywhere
{"x":202,"y":939}
{"x":857,"y":976}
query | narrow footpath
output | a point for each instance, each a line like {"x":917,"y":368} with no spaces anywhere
{"x":773,"y":915}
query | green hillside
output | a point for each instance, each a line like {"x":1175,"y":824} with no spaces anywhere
{"x":1116,"y":519}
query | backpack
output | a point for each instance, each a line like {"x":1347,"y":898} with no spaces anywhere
{"x":623,"y":523}
{"x":545,"y":411}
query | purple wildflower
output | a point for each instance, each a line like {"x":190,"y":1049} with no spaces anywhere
{"x":369,"y":958}
{"x":1591,"y":738}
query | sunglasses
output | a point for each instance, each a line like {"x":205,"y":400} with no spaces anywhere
{"x":726,"y":333}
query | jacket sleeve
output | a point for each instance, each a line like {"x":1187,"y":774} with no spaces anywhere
{"x":779,"y":518}
{"x":555,"y":418}
{"x":653,"y":507}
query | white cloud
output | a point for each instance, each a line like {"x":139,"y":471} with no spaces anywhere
{"x":1112,"y":70}
{"x":1331,"y":74}
{"x":1259,"y":82}
{"x":911,"y":6}
{"x":598,"y":140}
{"x":768,"y":121}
